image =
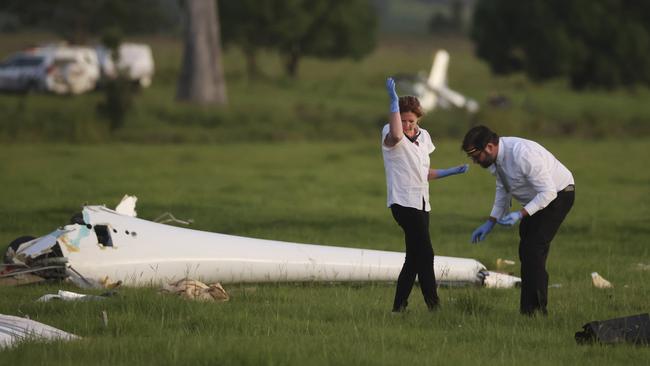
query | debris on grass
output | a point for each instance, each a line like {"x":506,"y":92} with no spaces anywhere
{"x":501,"y":280}
{"x":643,"y":267}
{"x":196,"y":290}
{"x":504,"y":263}
{"x":69,"y":296}
{"x":14,"y":330}
{"x":600,"y":282}
{"x":633,"y":329}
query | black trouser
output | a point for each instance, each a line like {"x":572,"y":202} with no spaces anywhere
{"x":419,"y":257}
{"x":536,"y":233}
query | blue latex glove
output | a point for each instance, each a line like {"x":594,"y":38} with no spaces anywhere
{"x":510,"y":219}
{"x":394,"y":99}
{"x":441,"y":173}
{"x":481,"y":232}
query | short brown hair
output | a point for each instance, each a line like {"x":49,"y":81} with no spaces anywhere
{"x":478,"y":137}
{"x":409,"y":103}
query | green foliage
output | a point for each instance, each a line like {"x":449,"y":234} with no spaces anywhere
{"x":600,"y":43}
{"x":248,"y":24}
{"x":78,"y":21}
{"x":331,"y":194}
{"x":300,"y":28}
{"x":331,"y":101}
{"x":448,"y":22}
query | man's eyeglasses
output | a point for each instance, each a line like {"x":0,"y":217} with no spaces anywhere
{"x":474,"y":153}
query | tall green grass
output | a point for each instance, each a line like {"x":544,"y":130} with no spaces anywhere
{"x":333,"y":194}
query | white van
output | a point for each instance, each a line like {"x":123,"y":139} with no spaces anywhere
{"x":135,"y":60}
{"x":75,"y":69}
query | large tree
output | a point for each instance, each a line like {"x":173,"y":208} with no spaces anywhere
{"x":299,"y":28}
{"x":247,"y":24}
{"x":201,"y":79}
{"x":594,"y":43}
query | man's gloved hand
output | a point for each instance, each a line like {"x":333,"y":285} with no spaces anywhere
{"x":481,"y":232}
{"x":394,"y":99}
{"x":511,"y":218}
{"x":441,"y":173}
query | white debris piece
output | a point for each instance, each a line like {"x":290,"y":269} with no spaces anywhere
{"x":14,"y":329}
{"x":503,"y":263}
{"x":599,"y":281}
{"x":643,"y":267}
{"x":500,"y":280}
{"x":68,"y":296}
{"x":127,"y":206}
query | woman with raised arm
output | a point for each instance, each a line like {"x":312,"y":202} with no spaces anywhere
{"x":406,"y":148}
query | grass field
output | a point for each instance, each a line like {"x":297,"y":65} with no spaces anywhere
{"x":333,"y":194}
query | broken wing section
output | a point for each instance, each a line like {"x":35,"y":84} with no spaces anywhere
{"x":138,"y":252}
{"x":104,"y":244}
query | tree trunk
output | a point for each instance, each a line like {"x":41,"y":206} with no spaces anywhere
{"x":250,"y":53}
{"x":291,"y":64}
{"x":201,"y":79}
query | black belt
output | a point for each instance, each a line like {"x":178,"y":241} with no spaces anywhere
{"x":569,"y":188}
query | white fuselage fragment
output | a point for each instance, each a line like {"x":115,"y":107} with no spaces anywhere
{"x":14,"y":330}
{"x":142,"y":252}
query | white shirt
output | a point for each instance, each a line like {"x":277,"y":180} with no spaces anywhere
{"x":529,"y":173}
{"x":407,"y":170}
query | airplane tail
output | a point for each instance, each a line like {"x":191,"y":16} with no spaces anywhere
{"x":433,"y":91}
{"x":438,"y":74}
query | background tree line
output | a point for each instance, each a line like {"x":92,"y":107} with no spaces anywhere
{"x":293,"y":28}
{"x":592,"y":43}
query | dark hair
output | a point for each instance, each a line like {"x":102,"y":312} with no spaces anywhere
{"x":478,"y":137}
{"x":409,"y":103}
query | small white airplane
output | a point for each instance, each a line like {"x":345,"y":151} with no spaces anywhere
{"x":102,"y":245}
{"x":432,"y":90}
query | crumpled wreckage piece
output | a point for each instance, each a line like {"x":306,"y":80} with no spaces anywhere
{"x":599,"y":282}
{"x":500,"y":280}
{"x":196,"y":290}
{"x":14,"y":329}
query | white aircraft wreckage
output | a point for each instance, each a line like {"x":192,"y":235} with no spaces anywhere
{"x":432,"y":90}
{"x":102,"y":245}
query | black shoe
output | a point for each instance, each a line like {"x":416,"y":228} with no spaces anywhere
{"x":401,"y":308}
{"x":533,"y":312}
